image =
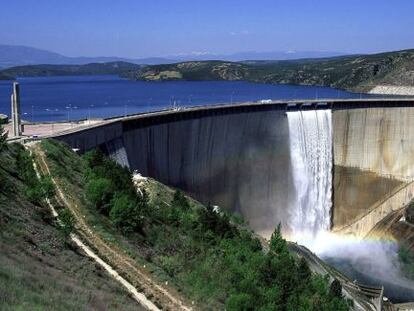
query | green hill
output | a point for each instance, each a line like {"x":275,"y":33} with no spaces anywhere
{"x":114,"y":68}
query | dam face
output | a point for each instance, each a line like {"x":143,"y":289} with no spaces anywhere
{"x":239,"y":157}
{"x":239,"y":161}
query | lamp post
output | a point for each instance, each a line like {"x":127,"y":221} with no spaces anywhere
{"x":89,"y":112}
{"x":50,"y":119}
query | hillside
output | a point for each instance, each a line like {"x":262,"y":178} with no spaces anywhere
{"x":39,"y":268}
{"x":356,"y":73}
{"x":114,"y":68}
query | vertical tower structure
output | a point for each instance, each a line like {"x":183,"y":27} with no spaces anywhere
{"x":15,"y":108}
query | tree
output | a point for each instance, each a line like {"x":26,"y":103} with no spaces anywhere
{"x":94,"y":158}
{"x":304,"y":273}
{"x":277,"y":243}
{"x":240,"y":302}
{"x":126,"y":214}
{"x":67,"y":222}
{"x":179,"y":206}
{"x":3,"y":137}
{"x":99,"y":193}
{"x":335,"y":290}
{"x":180,"y":201}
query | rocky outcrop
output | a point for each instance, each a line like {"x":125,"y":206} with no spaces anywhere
{"x":393,"y":90}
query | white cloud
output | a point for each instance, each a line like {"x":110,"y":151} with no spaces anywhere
{"x":240,"y":33}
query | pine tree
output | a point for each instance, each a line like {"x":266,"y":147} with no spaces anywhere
{"x":277,"y":243}
{"x":304,"y":273}
{"x":335,"y":289}
{"x":3,"y":137}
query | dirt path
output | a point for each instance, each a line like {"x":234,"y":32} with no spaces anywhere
{"x":110,"y":253}
{"x":139,"y":297}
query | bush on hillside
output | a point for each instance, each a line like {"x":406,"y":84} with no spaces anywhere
{"x":99,"y":192}
{"x":126,"y":213}
{"x":3,"y":137}
{"x":40,"y":189}
{"x":67,"y":222}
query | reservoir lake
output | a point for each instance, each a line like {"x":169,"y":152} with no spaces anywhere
{"x":62,"y":98}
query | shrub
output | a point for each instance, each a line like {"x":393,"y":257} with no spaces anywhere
{"x":40,"y":189}
{"x":277,"y":243}
{"x":304,"y":273}
{"x":126,"y":214}
{"x":335,"y":289}
{"x":99,"y":193}
{"x":178,"y":208}
{"x":218,"y":223}
{"x":3,"y":137}
{"x":179,"y":201}
{"x":67,"y":222}
{"x":240,"y":302}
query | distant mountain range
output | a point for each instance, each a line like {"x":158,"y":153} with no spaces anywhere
{"x":15,"y":55}
{"x":253,"y":55}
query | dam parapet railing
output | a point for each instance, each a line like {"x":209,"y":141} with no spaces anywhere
{"x":183,"y":113}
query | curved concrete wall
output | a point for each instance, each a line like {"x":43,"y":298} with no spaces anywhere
{"x":239,"y":161}
{"x":239,"y":158}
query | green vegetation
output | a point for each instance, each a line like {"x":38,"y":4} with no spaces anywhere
{"x":38,"y":269}
{"x":409,"y":214}
{"x":37,"y":190}
{"x":200,"y":250}
{"x":67,"y":222}
{"x":3,"y":137}
{"x":406,"y":257}
{"x":113,"y":68}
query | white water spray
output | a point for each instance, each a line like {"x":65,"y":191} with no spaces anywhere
{"x":310,"y":134}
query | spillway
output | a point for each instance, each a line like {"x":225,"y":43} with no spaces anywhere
{"x":310,"y":135}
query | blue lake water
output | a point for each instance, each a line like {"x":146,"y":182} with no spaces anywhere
{"x":81,"y":97}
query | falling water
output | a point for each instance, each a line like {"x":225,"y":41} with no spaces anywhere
{"x":310,"y":135}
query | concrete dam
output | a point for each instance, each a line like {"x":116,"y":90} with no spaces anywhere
{"x":240,"y":158}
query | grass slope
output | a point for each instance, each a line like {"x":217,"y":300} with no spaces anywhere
{"x":38,"y":269}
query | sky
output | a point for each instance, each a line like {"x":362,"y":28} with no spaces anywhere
{"x":135,"y":28}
